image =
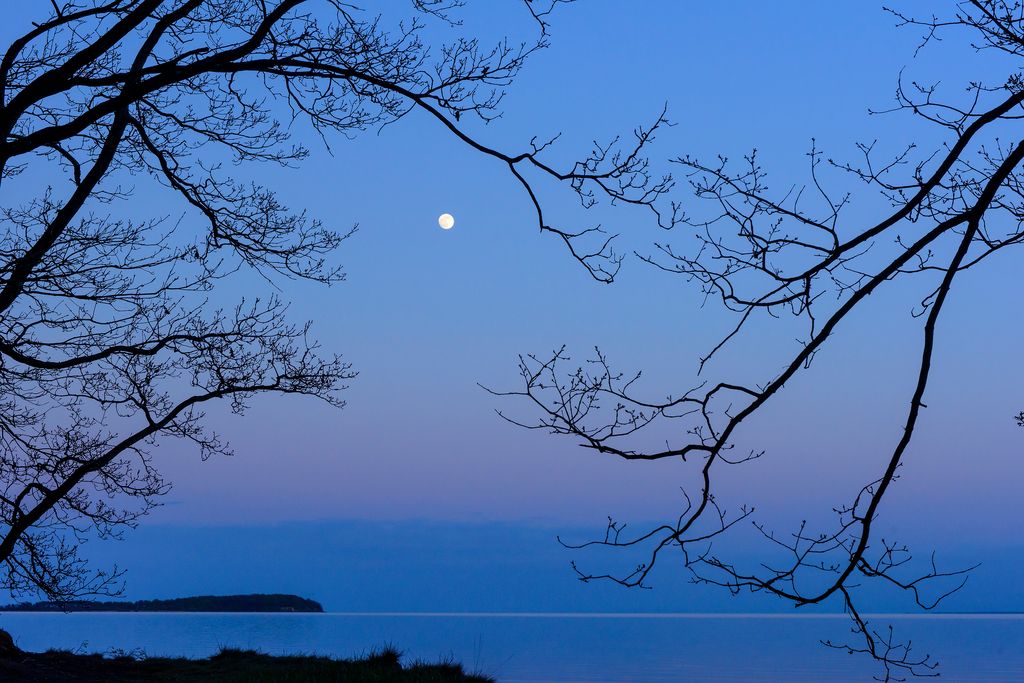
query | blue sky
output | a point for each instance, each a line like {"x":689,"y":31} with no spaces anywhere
{"x":427,"y":314}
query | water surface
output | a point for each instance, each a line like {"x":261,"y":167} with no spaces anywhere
{"x":534,"y":648}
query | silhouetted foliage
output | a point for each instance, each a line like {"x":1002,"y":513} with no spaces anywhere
{"x":795,"y":256}
{"x":227,"y":666}
{"x":108,"y":341}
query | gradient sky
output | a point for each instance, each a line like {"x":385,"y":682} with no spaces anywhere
{"x":427,"y":314}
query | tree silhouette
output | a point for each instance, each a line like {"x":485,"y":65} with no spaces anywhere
{"x":796,"y":257}
{"x":108,"y":340}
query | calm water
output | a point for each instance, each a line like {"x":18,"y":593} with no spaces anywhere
{"x":535,"y":648}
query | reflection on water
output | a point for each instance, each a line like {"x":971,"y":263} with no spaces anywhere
{"x":555,"y":647}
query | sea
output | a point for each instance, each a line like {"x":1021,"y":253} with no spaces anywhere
{"x":535,"y":648}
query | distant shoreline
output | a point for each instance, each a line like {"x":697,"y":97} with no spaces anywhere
{"x":680,"y":615}
{"x":123,"y":608}
{"x":226,"y":604}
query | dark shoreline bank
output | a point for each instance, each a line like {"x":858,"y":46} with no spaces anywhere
{"x":228,"y":666}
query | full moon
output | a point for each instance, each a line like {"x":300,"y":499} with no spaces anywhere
{"x":446,"y":221}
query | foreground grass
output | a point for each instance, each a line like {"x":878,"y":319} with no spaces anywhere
{"x":229,"y":666}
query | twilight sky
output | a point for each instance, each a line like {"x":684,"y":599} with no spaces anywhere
{"x":426,"y":314}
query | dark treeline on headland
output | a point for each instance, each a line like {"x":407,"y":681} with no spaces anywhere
{"x":202,"y":603}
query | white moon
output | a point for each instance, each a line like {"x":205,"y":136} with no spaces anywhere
{"x":446,"y":221}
